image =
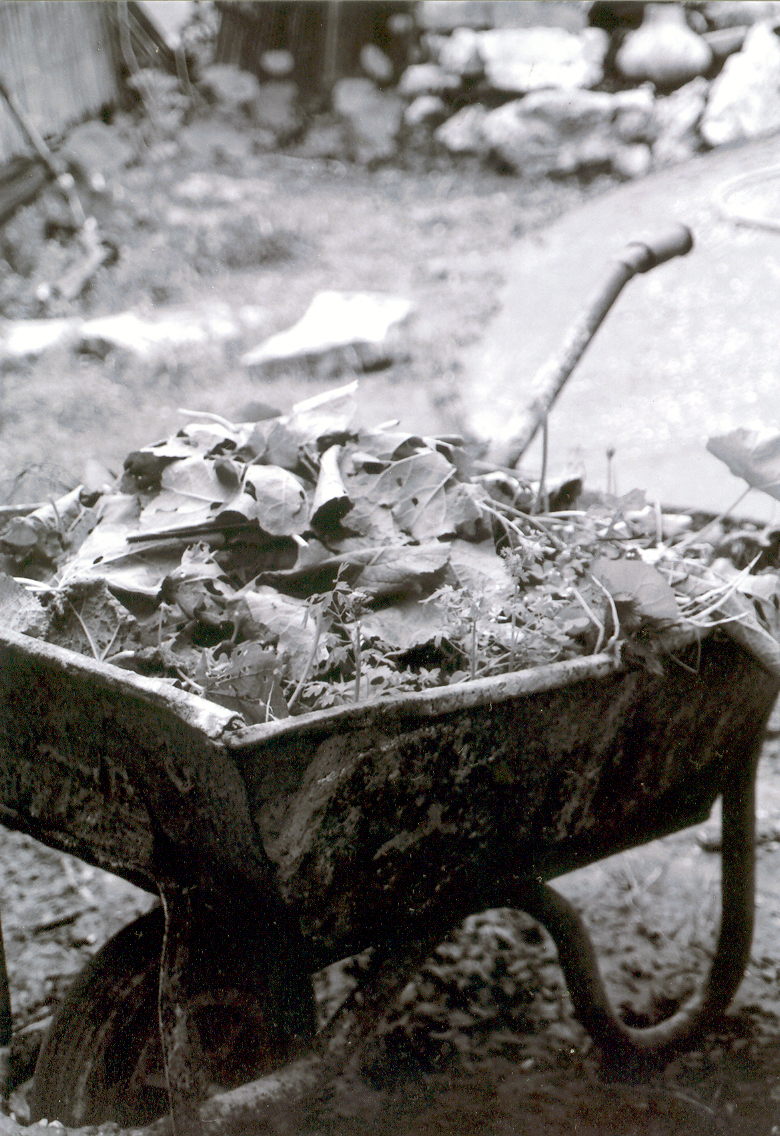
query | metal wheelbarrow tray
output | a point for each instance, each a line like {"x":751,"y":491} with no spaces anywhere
{"x":280,"y":848}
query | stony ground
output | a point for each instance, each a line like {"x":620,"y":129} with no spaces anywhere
{"x":201,"y":218}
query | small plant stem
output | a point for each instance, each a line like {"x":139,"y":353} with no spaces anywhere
{"x":357,"y":650}
{"x":309,"y":662}
{"x":616,"y":633}
{"x":592,"y":615}
{"x":473,"y":651}
{"x":540,"y":493}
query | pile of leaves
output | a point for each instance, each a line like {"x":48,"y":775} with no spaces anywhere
{"x":296,"y":563}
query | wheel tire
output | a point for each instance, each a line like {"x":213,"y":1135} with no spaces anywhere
{"x":102,"y":1058}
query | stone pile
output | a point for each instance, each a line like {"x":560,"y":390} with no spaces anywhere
{"x":550,"y":88}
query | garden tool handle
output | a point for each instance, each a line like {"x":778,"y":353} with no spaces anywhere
{"x":644,"y":255}
{"x":638,"y":256}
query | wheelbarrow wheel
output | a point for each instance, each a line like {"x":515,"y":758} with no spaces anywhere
{"x":102,"y":1059}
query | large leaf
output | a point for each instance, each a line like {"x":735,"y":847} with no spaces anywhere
{"x":753,"y":455}
{"x":414,"y":491}
{"x":404,"y":569}
{"x":268,"y":617}
{"x":404,"y":625}
{"x":640,"y":592}
{"x":273,"y":497}
{"x":192,"y":493}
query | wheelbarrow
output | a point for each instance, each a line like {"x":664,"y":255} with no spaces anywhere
{"x":281,"y":848}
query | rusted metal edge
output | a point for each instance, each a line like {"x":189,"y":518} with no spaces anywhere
{"x":212,"y":720}
{"x":462,"y":696}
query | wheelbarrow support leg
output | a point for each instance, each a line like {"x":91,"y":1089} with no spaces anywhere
{"x":182,"y":1052}
{"x":578,"y":960}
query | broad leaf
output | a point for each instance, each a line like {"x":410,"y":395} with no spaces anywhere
{"x":273,"y":497}
{"x":753,"y":455}
{"x":413,"y":489}
{"x":640,"y":592}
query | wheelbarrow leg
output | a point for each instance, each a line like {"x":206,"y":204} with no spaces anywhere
{"x":6,"y":1021}
{"x":185,"y":1072}
{"x":577,"y":956}
{"x":236,"y":950}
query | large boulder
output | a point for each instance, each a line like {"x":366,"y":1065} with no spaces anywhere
{"x":446,"y":15}
{"x":229,"y":87}
{"x":744,"y":100}
{"x":460,"y":54}
{"x":677,"y":118}
{"x":664,"y":50}
{"x":736,"y":13}
{"x":464,"y":132}
{"x":372,"y":119}
{"x":552,"y":132}
{"x":276,"y":109}
{"x":519,"y":60}
{"x":426,"y":79}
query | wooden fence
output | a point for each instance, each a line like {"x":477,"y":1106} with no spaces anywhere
{"x":60,"y":59}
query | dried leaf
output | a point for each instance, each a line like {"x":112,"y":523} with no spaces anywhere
{"x":402,"y":569}
{"x":753,"y":455}
{"x":20,"y":610}
{"x":264,"y":615}
{"x":191,"y":493}
{"x":331,"y":500}
{"x":414,"y":491}
{"x":273,"y":497}
{"x":639,"y":588}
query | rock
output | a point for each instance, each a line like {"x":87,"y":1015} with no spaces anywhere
{"x":464,"y":132}
{"x":31,"y":338}
{"x":275,"y":108}
{"x":744,"y":100}
{"x":725,"y":41}
{"x":339,"y":331}
{"x":147,"y":336}
{"x":634,"y":115}
{"x":664,"y":50}
{"x":446,"y":15}
{"x":376,"y":64}
{"x":426,"y":79}
{"x":632,"y":161}
{"x":230,"y":88}
{"x":325,"y":139}
{"x":677,"y":117}
{"x":568,"y":14}
{"x":214,"y":140}
{"x":277,"y":63}
{"x":552,"y":131}
{"x":425,"y":110}
{"x":460,"y":54}
{"x":736,"y":13}
{"x":521,"y":60}
{"x":372,"y":119}
{"x":95,"y":146}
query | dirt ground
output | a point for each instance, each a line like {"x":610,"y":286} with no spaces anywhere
{"x":206,"y":217}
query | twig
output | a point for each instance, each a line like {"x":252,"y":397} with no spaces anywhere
{"x":593,"y":616}
{"x":616,"y":633}
{"x":540,"y":493}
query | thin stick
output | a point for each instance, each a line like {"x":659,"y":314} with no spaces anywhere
{"x":540,"y":493}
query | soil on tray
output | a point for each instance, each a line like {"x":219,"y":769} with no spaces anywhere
{"x":500,"y":1050}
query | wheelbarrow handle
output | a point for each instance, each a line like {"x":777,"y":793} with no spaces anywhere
{"x":641,"y":256}
{"x":638,"y":256}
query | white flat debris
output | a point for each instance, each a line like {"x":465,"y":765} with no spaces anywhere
{"x":338,"y":329}
{"x":29,"y":338}
{"x":168,"y":329}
